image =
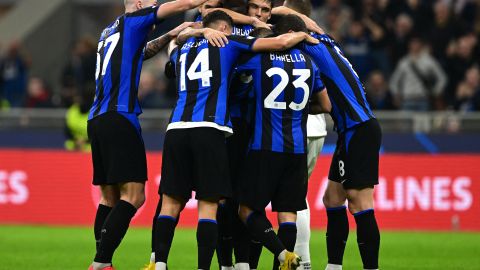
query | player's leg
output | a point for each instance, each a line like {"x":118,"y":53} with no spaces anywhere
{"x":302,"y":246}
{"x":175,"y":191}
{"x":110,"y":197}
{"x":225,"y":239}
{"x":207,"y":232}
{"x":212,"y":184}
{"x":287,"y":232}
{"x":360,"y":204}
{"x":260,"y":227}
{"x":255,"y":251}
{"x":337,"y":224}
{"x":241,"y":239}
{"x":132,"y":197}
{"x":124,"y":165}
{"x":362,"y":171}
{"x":171,"y":207}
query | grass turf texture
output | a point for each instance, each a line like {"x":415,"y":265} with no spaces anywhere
{"x":27,"y":247}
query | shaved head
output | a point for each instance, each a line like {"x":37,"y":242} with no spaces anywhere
{"x":134,"y":5}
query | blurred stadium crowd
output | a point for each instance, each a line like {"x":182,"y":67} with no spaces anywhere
{"x":413,"y":55}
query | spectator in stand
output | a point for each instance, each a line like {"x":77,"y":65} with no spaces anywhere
{"x":398,"y":42}
{"x":357,"y":49}
{"x":418,"y":81}
{"x":378,"y":95}
{"x":76,"y":123}
{"x":334,"y":17}
{"x":445,"y":29}
{"x":152,"y":92}
{"x":468,"y":91}
{"x":419,"y":10}
{"x":373,"y":18}
{"x":14,"y":74}
{"x":79,"y":74}
{"x":38,"y":94}
{"x":460,"y":58}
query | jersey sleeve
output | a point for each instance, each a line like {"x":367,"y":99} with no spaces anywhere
{"x":318,"y":85}
{"x":241,"y":43}
{"x":143,"y":19}
{"x":248,"y":62}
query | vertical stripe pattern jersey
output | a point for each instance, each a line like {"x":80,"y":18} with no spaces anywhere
{"x":203,"y":77}
{"x":119,"y":62}
{"x":346,"y":92}
{"x":283,"y":83}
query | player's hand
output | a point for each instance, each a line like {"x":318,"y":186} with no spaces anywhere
{"x":311,"y":39}
{"x":174,"y":32}
{"x":259,"y":24}
{"x":312,"y":25}
{"x":216,"y":38}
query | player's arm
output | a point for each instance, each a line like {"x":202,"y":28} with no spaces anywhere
{"x":282,"y":42}
{"x":178,"y":6}
{"x":311,"y":24}
{"x":239,"y":18}
{"x":320,"y":103}
{"x":156,"y":45}
{"x":216,"y":38}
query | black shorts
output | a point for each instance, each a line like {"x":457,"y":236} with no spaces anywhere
{"x":279,"y":178}
{"x":355,"y":161}
{"x":237,"y":147}
{"x":118,"y":151}
{"x":195,"y":159}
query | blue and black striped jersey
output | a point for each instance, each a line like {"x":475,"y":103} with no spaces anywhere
{"x":203,"y":78}
{"x":119,"y":62}
{"x":283,"y":83}
{"x":346,"y":92}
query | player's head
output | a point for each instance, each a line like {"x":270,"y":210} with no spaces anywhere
{"x":208,"y":5}
{"x":134,"y":5}
{"x":262,"y":9}
{"x":301,"y":6}
{"x":219,"y":21}
{"x":290,"y":23}
{"x":261,"y":33}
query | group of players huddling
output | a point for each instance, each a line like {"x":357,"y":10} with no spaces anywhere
{"x":238,"y":136}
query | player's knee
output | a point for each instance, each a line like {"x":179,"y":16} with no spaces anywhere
{"x":171,"y":207}
{"x":136,"y":200}
{"x":244,"y":212}
{"x":110,"y":201}
{"x":330,"y":200}
{"x":355,"y":206}
{"x":287,"y":217}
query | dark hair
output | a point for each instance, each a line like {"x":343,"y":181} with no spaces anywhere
{"x":261,"y":32}
{"x":216,"y":16}
{"x":272,"y":2}
{"x":301,"y":6}
{"x":290,"y":23}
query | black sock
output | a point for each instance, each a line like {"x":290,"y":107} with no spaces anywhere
{"x":100,"y":217}
{"x":241,"y":240}
{"x":337,"y":234}
{"x":255,"y":251}
{"x":164,"y":231}
{"x":154,"y":224}
{"x":113,"y":230}
{"x":368,"y":238}
{"x":287,"y":232}
{"x":225,"y":242}
{"x":207,"y":237}
{"x":261,"y":228}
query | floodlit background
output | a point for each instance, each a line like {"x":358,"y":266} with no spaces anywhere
{"x":430,"y":174}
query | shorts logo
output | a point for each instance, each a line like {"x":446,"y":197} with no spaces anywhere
{"x":341,"y":167}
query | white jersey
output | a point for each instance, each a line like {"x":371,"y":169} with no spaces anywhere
{"x":316,"y":126}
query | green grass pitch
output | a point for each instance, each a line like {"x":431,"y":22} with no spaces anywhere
{"x":39,"y":248}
